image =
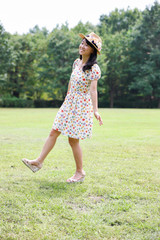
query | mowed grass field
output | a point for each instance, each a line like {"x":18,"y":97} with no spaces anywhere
{"x":120,"y":197}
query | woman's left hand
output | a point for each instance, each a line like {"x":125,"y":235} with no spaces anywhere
{"x":98,"y":117}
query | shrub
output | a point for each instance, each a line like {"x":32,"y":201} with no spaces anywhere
{"x":14,"y":102}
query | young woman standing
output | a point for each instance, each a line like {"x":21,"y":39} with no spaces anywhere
{"x":75,"y":117}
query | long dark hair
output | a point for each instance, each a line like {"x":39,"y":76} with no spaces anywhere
{"x":92,"y":59}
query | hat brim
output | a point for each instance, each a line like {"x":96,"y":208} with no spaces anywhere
{"x":83,"y":36}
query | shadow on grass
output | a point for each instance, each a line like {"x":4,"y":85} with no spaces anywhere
{"x":59,"y":189}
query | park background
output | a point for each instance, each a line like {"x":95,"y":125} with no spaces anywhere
{"x":35,"y":67}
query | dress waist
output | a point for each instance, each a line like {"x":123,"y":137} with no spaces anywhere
{"x":79,"y":92}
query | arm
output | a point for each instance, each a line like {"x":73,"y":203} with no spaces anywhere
{"x":93,"y":92}
{"x":69,"y":86}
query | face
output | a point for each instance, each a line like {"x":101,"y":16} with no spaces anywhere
{"x":85,"y":49}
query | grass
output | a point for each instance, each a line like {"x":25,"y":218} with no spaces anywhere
{"x":120,"y":197}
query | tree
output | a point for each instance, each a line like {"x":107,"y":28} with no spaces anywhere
{"x":114,"y":70}
{"x":39,"y":39}
{"x":62,"y":50}
{"x":114,"y":31}
{"x":5,"y":57}
{"x":119,"y":20}
{"x":145,"y":54}
{"x":5,"y":51}
{"x":84,"y":28}
{"x":20,"y":75}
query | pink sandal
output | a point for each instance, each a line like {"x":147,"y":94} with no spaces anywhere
{"x":32,"y":167}
{"x":80,"y":178}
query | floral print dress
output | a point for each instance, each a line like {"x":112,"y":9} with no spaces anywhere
{"x":75,"y":117}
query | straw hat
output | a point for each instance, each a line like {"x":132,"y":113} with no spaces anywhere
{"x":94,"y":39}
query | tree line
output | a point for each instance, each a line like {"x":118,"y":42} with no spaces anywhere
{"x":35,"y":67}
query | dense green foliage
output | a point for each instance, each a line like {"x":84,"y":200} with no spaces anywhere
{"x":36,"y":66}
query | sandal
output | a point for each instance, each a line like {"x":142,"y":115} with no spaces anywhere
{"x":32,"y":167}
{"x":80,"y":178}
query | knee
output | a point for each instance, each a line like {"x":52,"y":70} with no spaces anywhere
{"x":73,"y":141}
{"x":54,"y":133}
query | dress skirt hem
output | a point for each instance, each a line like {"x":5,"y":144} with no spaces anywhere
{"x":68,"y":135}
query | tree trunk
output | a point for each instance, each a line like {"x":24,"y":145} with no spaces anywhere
{"x":159,"y":103}
{"x":15,"y":94}
{"x":13,"y":75}
{"x":111,"y":98}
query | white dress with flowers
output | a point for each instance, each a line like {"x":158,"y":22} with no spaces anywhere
{"x":75,"y":117}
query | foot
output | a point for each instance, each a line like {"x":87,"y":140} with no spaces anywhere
{"x":77,"y":177}
{"x":33,"y":165}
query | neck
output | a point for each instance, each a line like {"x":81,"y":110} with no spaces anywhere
{"x":84,"y":59}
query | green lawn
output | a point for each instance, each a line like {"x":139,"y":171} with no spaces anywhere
{"x":120,"y":197}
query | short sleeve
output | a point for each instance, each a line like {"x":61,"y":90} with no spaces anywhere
{"x":95,"y":72}
{"x":75,"y":63}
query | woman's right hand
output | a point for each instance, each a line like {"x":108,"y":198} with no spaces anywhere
{"x":98,"y":117}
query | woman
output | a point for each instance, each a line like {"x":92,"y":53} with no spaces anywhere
{"x":75,"y":117}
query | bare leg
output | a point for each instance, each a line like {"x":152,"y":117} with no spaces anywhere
{"x":49,"y":144}
{"x":77,"y":153}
